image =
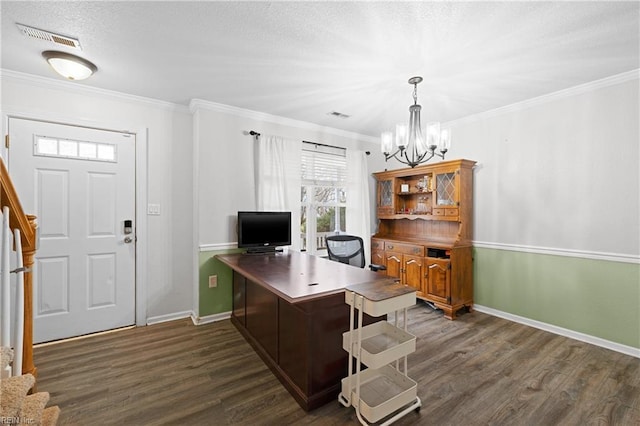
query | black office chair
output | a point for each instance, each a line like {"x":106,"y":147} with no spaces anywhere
{"x":349,"y":249}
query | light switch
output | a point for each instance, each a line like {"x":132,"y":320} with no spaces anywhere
{"x":153,"y":209}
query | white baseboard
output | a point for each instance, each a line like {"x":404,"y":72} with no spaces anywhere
{"x":210,"y":318}
{"x":169,"y":317}
{"x":597,"y":341}
{"x":189,"y":314}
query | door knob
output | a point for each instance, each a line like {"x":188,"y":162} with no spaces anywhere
{"x":128,"y":240}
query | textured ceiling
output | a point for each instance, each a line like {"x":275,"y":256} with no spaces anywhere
{"x":303,"y":60}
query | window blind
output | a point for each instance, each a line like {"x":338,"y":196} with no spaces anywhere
{"x":324,"y":166}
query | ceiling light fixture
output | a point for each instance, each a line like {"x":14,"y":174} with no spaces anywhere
{"x":412,"y":147}
{"x":69,"y":66}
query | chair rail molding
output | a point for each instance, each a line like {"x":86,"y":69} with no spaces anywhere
{"x":582,"y":254}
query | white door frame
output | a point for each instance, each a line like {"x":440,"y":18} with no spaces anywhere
{"x":141,"y":185}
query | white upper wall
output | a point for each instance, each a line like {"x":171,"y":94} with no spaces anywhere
{"x":559,"y":172}
{"x":169,"y":268}
{"x":225,"y":165}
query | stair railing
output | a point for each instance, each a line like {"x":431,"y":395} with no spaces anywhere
{"x":5,"y":289}
{"x":18,"y":334}
{"x":24,"y":241}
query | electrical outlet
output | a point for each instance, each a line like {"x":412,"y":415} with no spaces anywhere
{"x":213,"y":281}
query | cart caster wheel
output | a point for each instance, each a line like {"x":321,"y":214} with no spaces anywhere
{"x":417,"y":410}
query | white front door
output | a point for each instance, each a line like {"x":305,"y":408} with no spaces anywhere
{"x":80,"y":183}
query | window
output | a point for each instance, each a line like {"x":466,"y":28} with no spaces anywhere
{"x":81,"y":150}
{"x":323,"y":195}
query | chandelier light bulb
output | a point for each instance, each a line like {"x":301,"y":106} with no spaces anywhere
{"x":387,"y":142}
{"x":445,"y":140}
{"x":401,"y":136}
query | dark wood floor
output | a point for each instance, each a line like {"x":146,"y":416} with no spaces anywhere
{"x":477,"y":370}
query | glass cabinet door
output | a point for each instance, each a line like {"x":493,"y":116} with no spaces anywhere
{"x":446,"y":189}
{"x":385,"y":197}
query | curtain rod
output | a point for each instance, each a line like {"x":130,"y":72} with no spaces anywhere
{"x":256,"y":134}
{"x":331,"y":146}
{"x":325,"y":145}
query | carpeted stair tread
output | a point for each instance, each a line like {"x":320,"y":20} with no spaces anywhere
{"x":12,"y":394}
{"x":50,"y":416}
{"x":6,"y":356}
{"x":33,"y":408}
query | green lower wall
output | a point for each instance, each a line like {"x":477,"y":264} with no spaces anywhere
{"x":595,"y":297}
{"x":219,"y":299}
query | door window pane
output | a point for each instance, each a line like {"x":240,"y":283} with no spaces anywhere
{"x":87,"y":150}
{"x":106,"y":152}
{"x":46,"y":146}
{"x":65,"y":148}
{"x":68,"y":148}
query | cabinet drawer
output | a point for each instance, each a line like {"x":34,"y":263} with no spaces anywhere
{"x":405,"y":248}
{"x":377,"y":244}
{"x":445,"y":212}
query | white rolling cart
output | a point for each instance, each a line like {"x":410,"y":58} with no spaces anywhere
{"x":382,"y":390}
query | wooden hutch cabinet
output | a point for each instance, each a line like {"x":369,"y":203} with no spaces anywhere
{"x":425,"y":218}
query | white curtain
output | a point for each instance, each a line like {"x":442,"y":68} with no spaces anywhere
{"x":358,"y":216}
{"x":278,"y":179}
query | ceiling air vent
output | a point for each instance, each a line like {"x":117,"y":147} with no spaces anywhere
{"x":47,"y":36}
{"x":338,"y":114}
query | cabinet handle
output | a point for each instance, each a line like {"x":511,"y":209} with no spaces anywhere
{"x":412,"y":261}
{"x":390,"y":247}
{"x":394,"y":258}
{"x":435,"y":265}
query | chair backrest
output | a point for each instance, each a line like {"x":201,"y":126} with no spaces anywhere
{"x":347,"y":249}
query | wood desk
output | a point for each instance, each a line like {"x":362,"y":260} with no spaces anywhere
{"x":291,"y":309}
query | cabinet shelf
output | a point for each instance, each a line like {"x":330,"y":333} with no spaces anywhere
{"x":414,"y":216}
{"x":414,"y":193}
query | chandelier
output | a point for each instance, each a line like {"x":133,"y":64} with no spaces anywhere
{"x":412,"y":148}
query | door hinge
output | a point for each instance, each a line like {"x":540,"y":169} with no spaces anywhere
{"x":6,"y":141}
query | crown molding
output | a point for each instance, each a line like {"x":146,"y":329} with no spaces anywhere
{"x":200,"y":104}
{"x":551,"y":97}
{"x":68,"y":86}
{"x":194,"y":105}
